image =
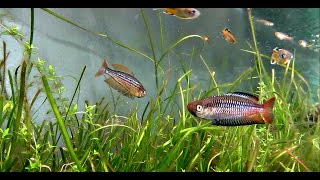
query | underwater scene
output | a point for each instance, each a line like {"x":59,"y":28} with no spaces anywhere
{"x":159,"y":90}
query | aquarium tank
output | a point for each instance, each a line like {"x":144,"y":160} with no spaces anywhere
{"x":159,"y":90}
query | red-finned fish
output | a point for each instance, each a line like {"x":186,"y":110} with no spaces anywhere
{"x":233,"y":109}
{"x":304,"y":44}
{"x":265,"y":22}
{"x":228,"y":36}
{"x":280,"y":56}
{"x":283,"y":36}
{"x":122,"y":80}
{"x":182,"y":13}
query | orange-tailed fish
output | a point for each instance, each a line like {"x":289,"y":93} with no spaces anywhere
{"x":122,"y":80}
{"x":283,"y":36}
{"x":304,"y":44}
{"x":265,"y":22}
{"x":280,"y":56}
{"x":233,"y":109}
{"x":182,"y":13}
{"x":228,"y":36}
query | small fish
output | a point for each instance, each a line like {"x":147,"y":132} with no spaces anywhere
{"x":228,"y":36}
{"x":280,"y":56}
{"x":283,"y":36}
{"x":122,"y":80}
{"x":304,"y":44}
{"x":265,"y":22}
{"x":233,"y":109}
{"x":182,"y":13}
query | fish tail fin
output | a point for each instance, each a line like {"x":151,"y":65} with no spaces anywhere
{"x":267,"y":113}
{"x":169,"y":11}
{"x":102,"y":68}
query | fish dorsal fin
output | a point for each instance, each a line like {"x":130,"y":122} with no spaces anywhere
{"x":245,"y":95}
{"x":117,"y":86}
{"x":122,"y":68}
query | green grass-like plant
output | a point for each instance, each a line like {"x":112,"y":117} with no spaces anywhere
{"x":165,"y":137}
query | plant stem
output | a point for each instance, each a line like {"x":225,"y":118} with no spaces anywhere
{"x":60,"y":122}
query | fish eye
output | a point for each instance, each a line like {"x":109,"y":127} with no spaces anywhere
{"x":192,"y":12}
{"x":199,"y":108}
{"x":283,"y":56}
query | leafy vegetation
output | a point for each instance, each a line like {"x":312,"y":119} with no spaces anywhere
{"x":96,"y":139}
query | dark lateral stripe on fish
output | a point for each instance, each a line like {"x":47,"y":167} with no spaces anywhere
{"x":233,"y":122}
{"x":124,"y":77}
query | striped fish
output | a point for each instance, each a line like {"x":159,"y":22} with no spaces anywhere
{"x":122,"y":80}
{"x":233,"y":109}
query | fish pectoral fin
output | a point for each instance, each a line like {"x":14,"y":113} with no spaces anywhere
{"x":122,"y":68}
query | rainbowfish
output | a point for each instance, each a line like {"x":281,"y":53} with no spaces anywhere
{"x":122,"y":80}
{"x":280,"y":56}
{"x":228,"y":36}
{"x":233,"y":109}
{"x":283,"y":36}
{"x":265,"y":22}
{"x":182,"y":13}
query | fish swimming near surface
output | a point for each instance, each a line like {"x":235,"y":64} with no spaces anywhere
{"x":283,"y":36}
{"x":228,"y":36}
{"x":122,"y":80}
{"x":182,"y":13}
{"x":265,"y":22}
{"x":233,"y":109}
{"x":280,"y":56}
{"x":304,"y":44}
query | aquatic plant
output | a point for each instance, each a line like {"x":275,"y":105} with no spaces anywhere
{"x":161,"y":139}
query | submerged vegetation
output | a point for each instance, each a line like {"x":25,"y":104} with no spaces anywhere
{"x":96,"y":139}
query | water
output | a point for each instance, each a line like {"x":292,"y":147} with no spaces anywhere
{"x":69,"y":48}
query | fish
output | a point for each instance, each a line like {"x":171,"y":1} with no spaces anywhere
{"x":182,"y":13}
{"x":280,"y":56}
{"x":265,"y":22}
{"x":283,"y":36}
{"x":304,"y":44}
{"x":228,"y":36}
{"x":122,"y":80}
{"x":233,"y":109}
